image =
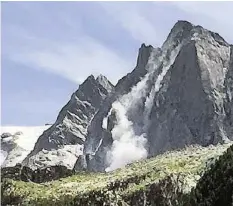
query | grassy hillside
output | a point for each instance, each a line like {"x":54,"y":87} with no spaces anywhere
{"x":156,"y":181}
{"x":216,"y":186}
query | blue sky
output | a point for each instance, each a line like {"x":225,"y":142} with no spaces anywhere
{"x":49,"y":48}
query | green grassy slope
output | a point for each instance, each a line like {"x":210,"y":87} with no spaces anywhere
{"x":148,"y":182}
{"x":216,"y":186}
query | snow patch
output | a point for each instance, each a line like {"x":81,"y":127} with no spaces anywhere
{"x":23,"y":137}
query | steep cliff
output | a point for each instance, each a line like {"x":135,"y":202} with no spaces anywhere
{"x":99,"y":139}
{"x":176,"y":105}
{"x":178,"y":95}
{"x":189,"y":108}
{"x":63,"y":142}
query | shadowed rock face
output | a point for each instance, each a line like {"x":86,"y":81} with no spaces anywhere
{"x":189,"y":108}
{"x":26,"y":174}
{"x":228,"y":104}
{"x":99,"y":140}
{"x":216,"y":186}
{"x":193,"y":104}
{"x":63,"y":142}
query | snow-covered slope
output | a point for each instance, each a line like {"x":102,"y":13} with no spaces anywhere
{"x":17,"y":142}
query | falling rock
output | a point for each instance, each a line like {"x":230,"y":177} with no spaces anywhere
{"x":187,"y":97}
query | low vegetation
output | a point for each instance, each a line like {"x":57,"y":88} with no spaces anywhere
{"x":168,"y":179}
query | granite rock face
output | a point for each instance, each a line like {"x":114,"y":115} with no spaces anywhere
{"x":63,"y":142}
{"x":99,"y":140}
{"x":177,"y":95}
{"x":228,"y":104}
{"x":189,"y":108}
{"x":187,"y":97}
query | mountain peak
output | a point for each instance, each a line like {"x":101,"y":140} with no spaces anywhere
{"x":181,"y":26}
{"x":180,"y":31}
{"x":154,"y":99}
{"x":90,"y":78}
{"x":143,"y":55}
{"x":183,"y":23}
{"x":102,"y":80}
{"x":143,"y":46}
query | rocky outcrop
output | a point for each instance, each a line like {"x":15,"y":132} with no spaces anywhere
{"x":17,"y":143}
{"x":189,"y":108}
{"x":216,"y":186}
{"x":99,"y":139}
{"x":23,"y":173}
{"x":228,"y":104}
{"x":63,"y":142}
{"x":187,"y":97}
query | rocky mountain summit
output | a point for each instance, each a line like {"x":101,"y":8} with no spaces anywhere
{"x":179,"y":94}
{"x":161,"y":136}
{"x":63,"y":142}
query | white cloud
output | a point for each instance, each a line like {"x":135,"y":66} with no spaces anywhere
{"x":216,"y":10}
{"x":133,"y":19}
{"x":216,"y":16}
{"x":76,"y":60}
{"x":64,"y":48}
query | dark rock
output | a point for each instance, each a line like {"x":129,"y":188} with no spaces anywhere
{"x":6,"y":135}
{"x":96,"y":134}
{"x":216,"y":186}
{"x":23,"y":173}
{"x":193,"y":104}
{"x":166,"y":192}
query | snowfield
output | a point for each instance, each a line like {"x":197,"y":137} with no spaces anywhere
{"x":26,"y":139}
